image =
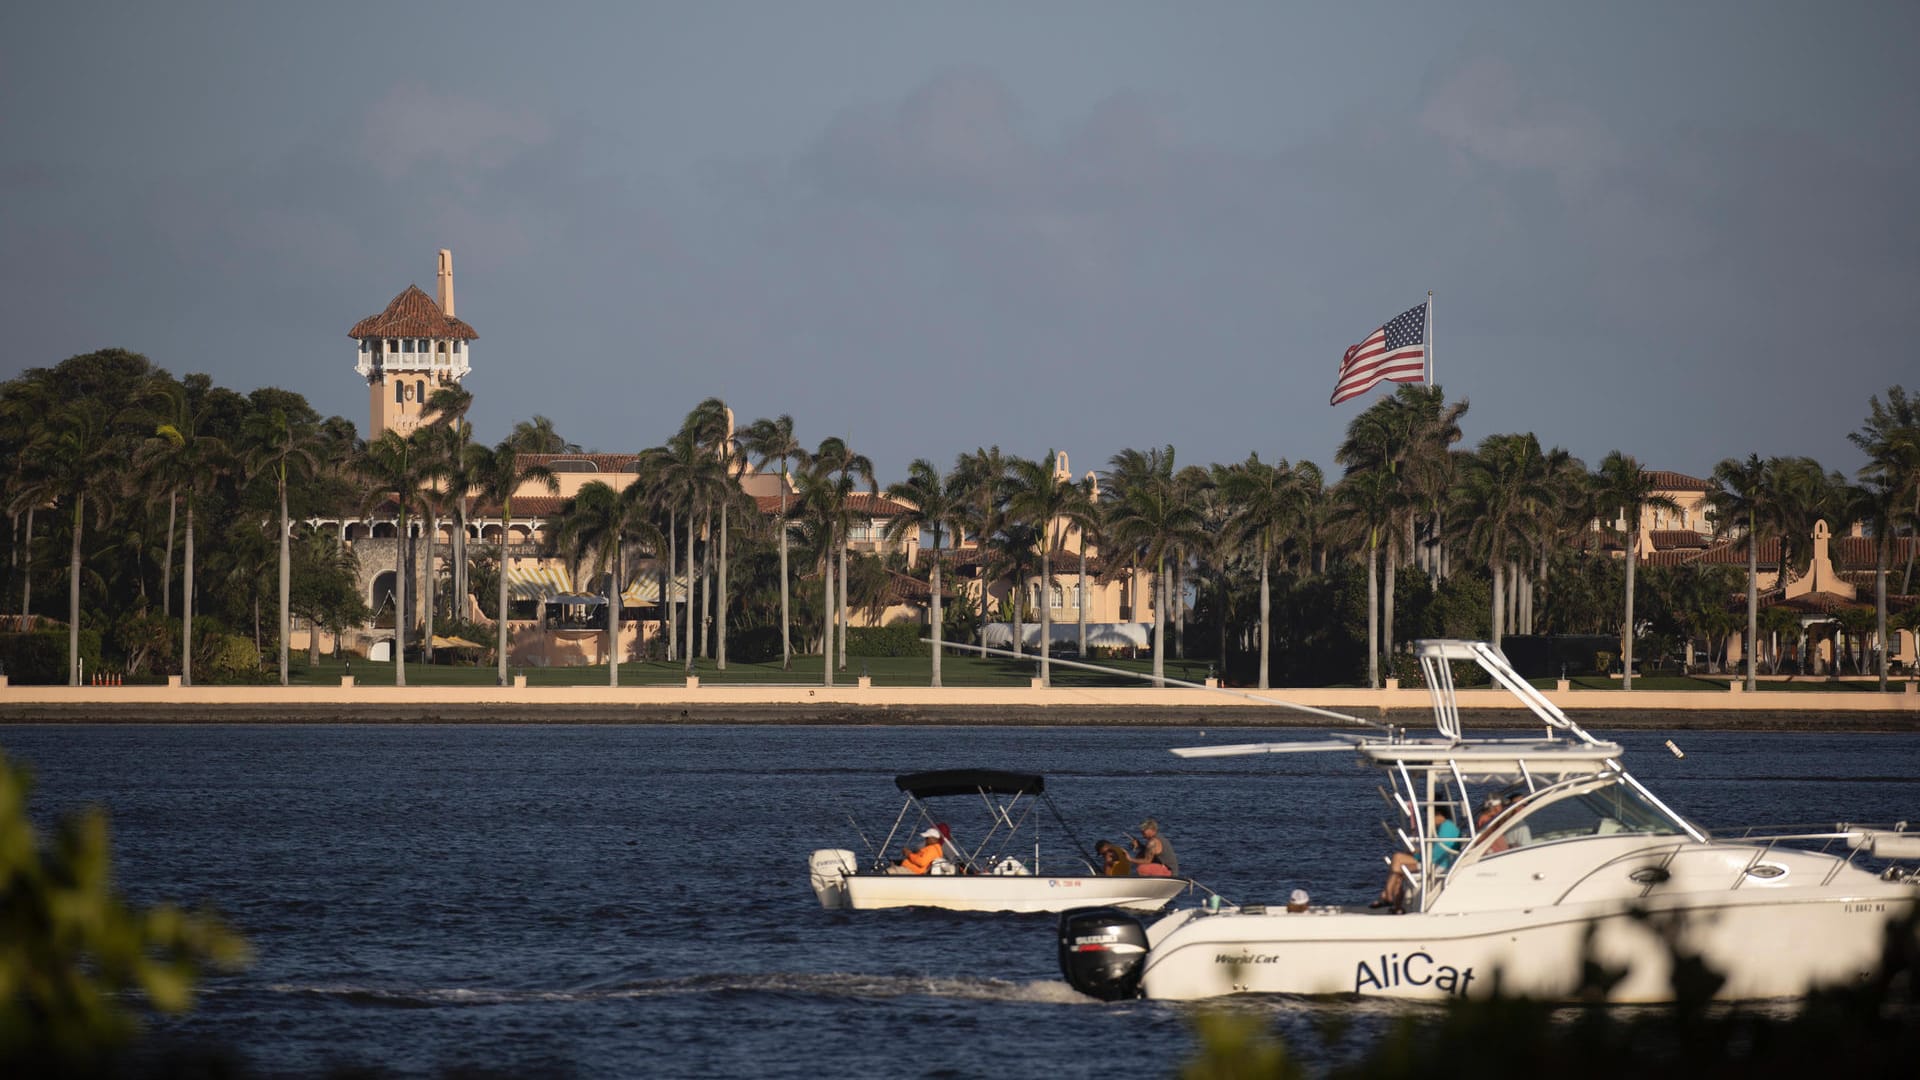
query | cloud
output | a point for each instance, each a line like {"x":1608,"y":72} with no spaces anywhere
{"x":1482,"y":114}
{"x":413,"y":128}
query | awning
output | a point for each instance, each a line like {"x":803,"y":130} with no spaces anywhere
{"x":454,"y":643}
{"x":537,"y":581}
{"x":926,"y":785}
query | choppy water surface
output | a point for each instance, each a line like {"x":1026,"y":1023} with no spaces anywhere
{"x":623,"y":901}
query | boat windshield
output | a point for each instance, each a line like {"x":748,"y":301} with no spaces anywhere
{"x":1611,"y":807}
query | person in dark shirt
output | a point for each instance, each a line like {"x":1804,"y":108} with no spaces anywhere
{"x":1150,"y":848}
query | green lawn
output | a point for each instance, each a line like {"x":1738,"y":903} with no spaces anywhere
{"x":885,"y":671}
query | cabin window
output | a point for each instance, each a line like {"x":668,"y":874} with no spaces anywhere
{"x":1615,"y":808}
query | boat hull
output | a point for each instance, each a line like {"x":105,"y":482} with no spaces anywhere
{"x":1776,"y":946}
{"x":986,"y":892}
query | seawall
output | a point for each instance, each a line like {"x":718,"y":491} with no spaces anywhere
{"x":790,"y":704}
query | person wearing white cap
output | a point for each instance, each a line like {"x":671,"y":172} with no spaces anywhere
{"x":921,"y":854}
{"x":1298,"y":902}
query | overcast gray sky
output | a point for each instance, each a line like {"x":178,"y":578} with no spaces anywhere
{"x":1686,"y":231}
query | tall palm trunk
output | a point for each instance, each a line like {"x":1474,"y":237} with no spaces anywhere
{"x":613,"y":613}
{"x":826,"y":609}
{"x":166,"y":571}
{"x":1046,"y":613}
{"x":1266,"y":608}
{"x":1160,"y":622}
{"x":1081,"y":587}
{"x":693,"y":587}
{"x":1373,"y":610}
{"x":720,"y":610}
{"x":26,"y":573}
{"x":186,"y":605}
{"x":1498,"y":566}
{"x":670,"y":605}
{"x":937,"y":625}
{"x":500,"y":649}
{"x":786,"y":612}
{"x":430,"y":590}
{"x":1626,"y":635}
{"x":402,"y":564}
{"x":73,"y":593}
{"x":286,"y":581}
{"x":1881,"y":542}
{"x":1386,"y":604}
{"x":846,"y":622}
{"x":460,"y":602}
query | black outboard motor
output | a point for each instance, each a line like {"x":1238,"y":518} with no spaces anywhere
{"x":1102,"y":952}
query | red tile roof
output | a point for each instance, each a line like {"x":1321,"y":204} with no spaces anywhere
{"x":1673,"y":481}
{"x":1669,"y":539}
{"x":412,"y":314}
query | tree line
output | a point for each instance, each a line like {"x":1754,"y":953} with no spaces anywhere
{"x":175,"y":517}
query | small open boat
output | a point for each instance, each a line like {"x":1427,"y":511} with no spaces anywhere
{"x":1002,"y":871}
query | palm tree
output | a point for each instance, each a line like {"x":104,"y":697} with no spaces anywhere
{"x":693,"y":478}
{"x":399,"y":465}
{"x":1148,"y":522}
{"x":596,"y":524}
{"x":768,"y":441}
{"x":177,"y":457}
{"x":500,"y":472}
{"x":714,"y":424}
{"x":839,"y":461}
{"x":1891,"y":439}
{"x":1370,"y":502}
{"x":76,"y":448}
{"x":983,"y":476}
{"x":1493,"y":488}
{"x":282,"y":444}
{"x":1046,"y":498}
{"x":1621,"y":483}
{"x":1267,"y":500}
{"x":448,"y":406}
{"x":931,"y":503}
{"x":1879,"y":504}
{"x":1741,"y":496}
{"x":538,"y":436}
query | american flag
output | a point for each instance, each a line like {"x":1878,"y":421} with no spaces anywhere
{"x":1397,"y":352}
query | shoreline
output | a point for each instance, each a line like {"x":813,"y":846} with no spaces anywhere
{"x":803,"y":714}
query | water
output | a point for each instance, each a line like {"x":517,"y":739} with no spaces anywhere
{"x":619,"y":901}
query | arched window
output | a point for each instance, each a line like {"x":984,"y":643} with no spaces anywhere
{"x":420,"y":391}
{"x":399,"y":391}
{"x":1059,"y":598}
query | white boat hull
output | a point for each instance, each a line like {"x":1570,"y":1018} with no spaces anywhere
{"x":1766,"y":946}
{"x":987,"y":892}
{"x":839,"y":884}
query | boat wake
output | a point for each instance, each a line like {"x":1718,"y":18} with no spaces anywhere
{"x":822,"y":986}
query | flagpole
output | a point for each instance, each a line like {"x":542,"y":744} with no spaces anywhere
{"x":1429,"y":337}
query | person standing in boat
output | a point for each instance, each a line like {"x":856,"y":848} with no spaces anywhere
{"x":1153,"y":853}
{"x":920,"y":859}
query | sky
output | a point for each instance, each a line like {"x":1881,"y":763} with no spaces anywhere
{"x":1683,"y":231}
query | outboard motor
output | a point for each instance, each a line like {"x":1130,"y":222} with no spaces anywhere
{"x":1102,"y":952}
{"x":829,"y":869}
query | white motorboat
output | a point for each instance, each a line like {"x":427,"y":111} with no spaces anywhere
{"x":1581,"y":861}
{"x":1001,"y":871}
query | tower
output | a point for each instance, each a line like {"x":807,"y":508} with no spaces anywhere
{"x":410,"y":350}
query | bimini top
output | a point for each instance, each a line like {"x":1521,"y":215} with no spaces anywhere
{"x":926,"y":785}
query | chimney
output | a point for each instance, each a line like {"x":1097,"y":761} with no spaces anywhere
{"x":446,"y":282}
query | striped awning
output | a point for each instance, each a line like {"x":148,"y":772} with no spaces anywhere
{"x":538,"y":581}
{"x":545,"y":581}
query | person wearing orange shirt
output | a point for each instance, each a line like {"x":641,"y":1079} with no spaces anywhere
{"x":919,"y":860}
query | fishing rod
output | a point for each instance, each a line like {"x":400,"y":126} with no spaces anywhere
{"x":1123,"y":673}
